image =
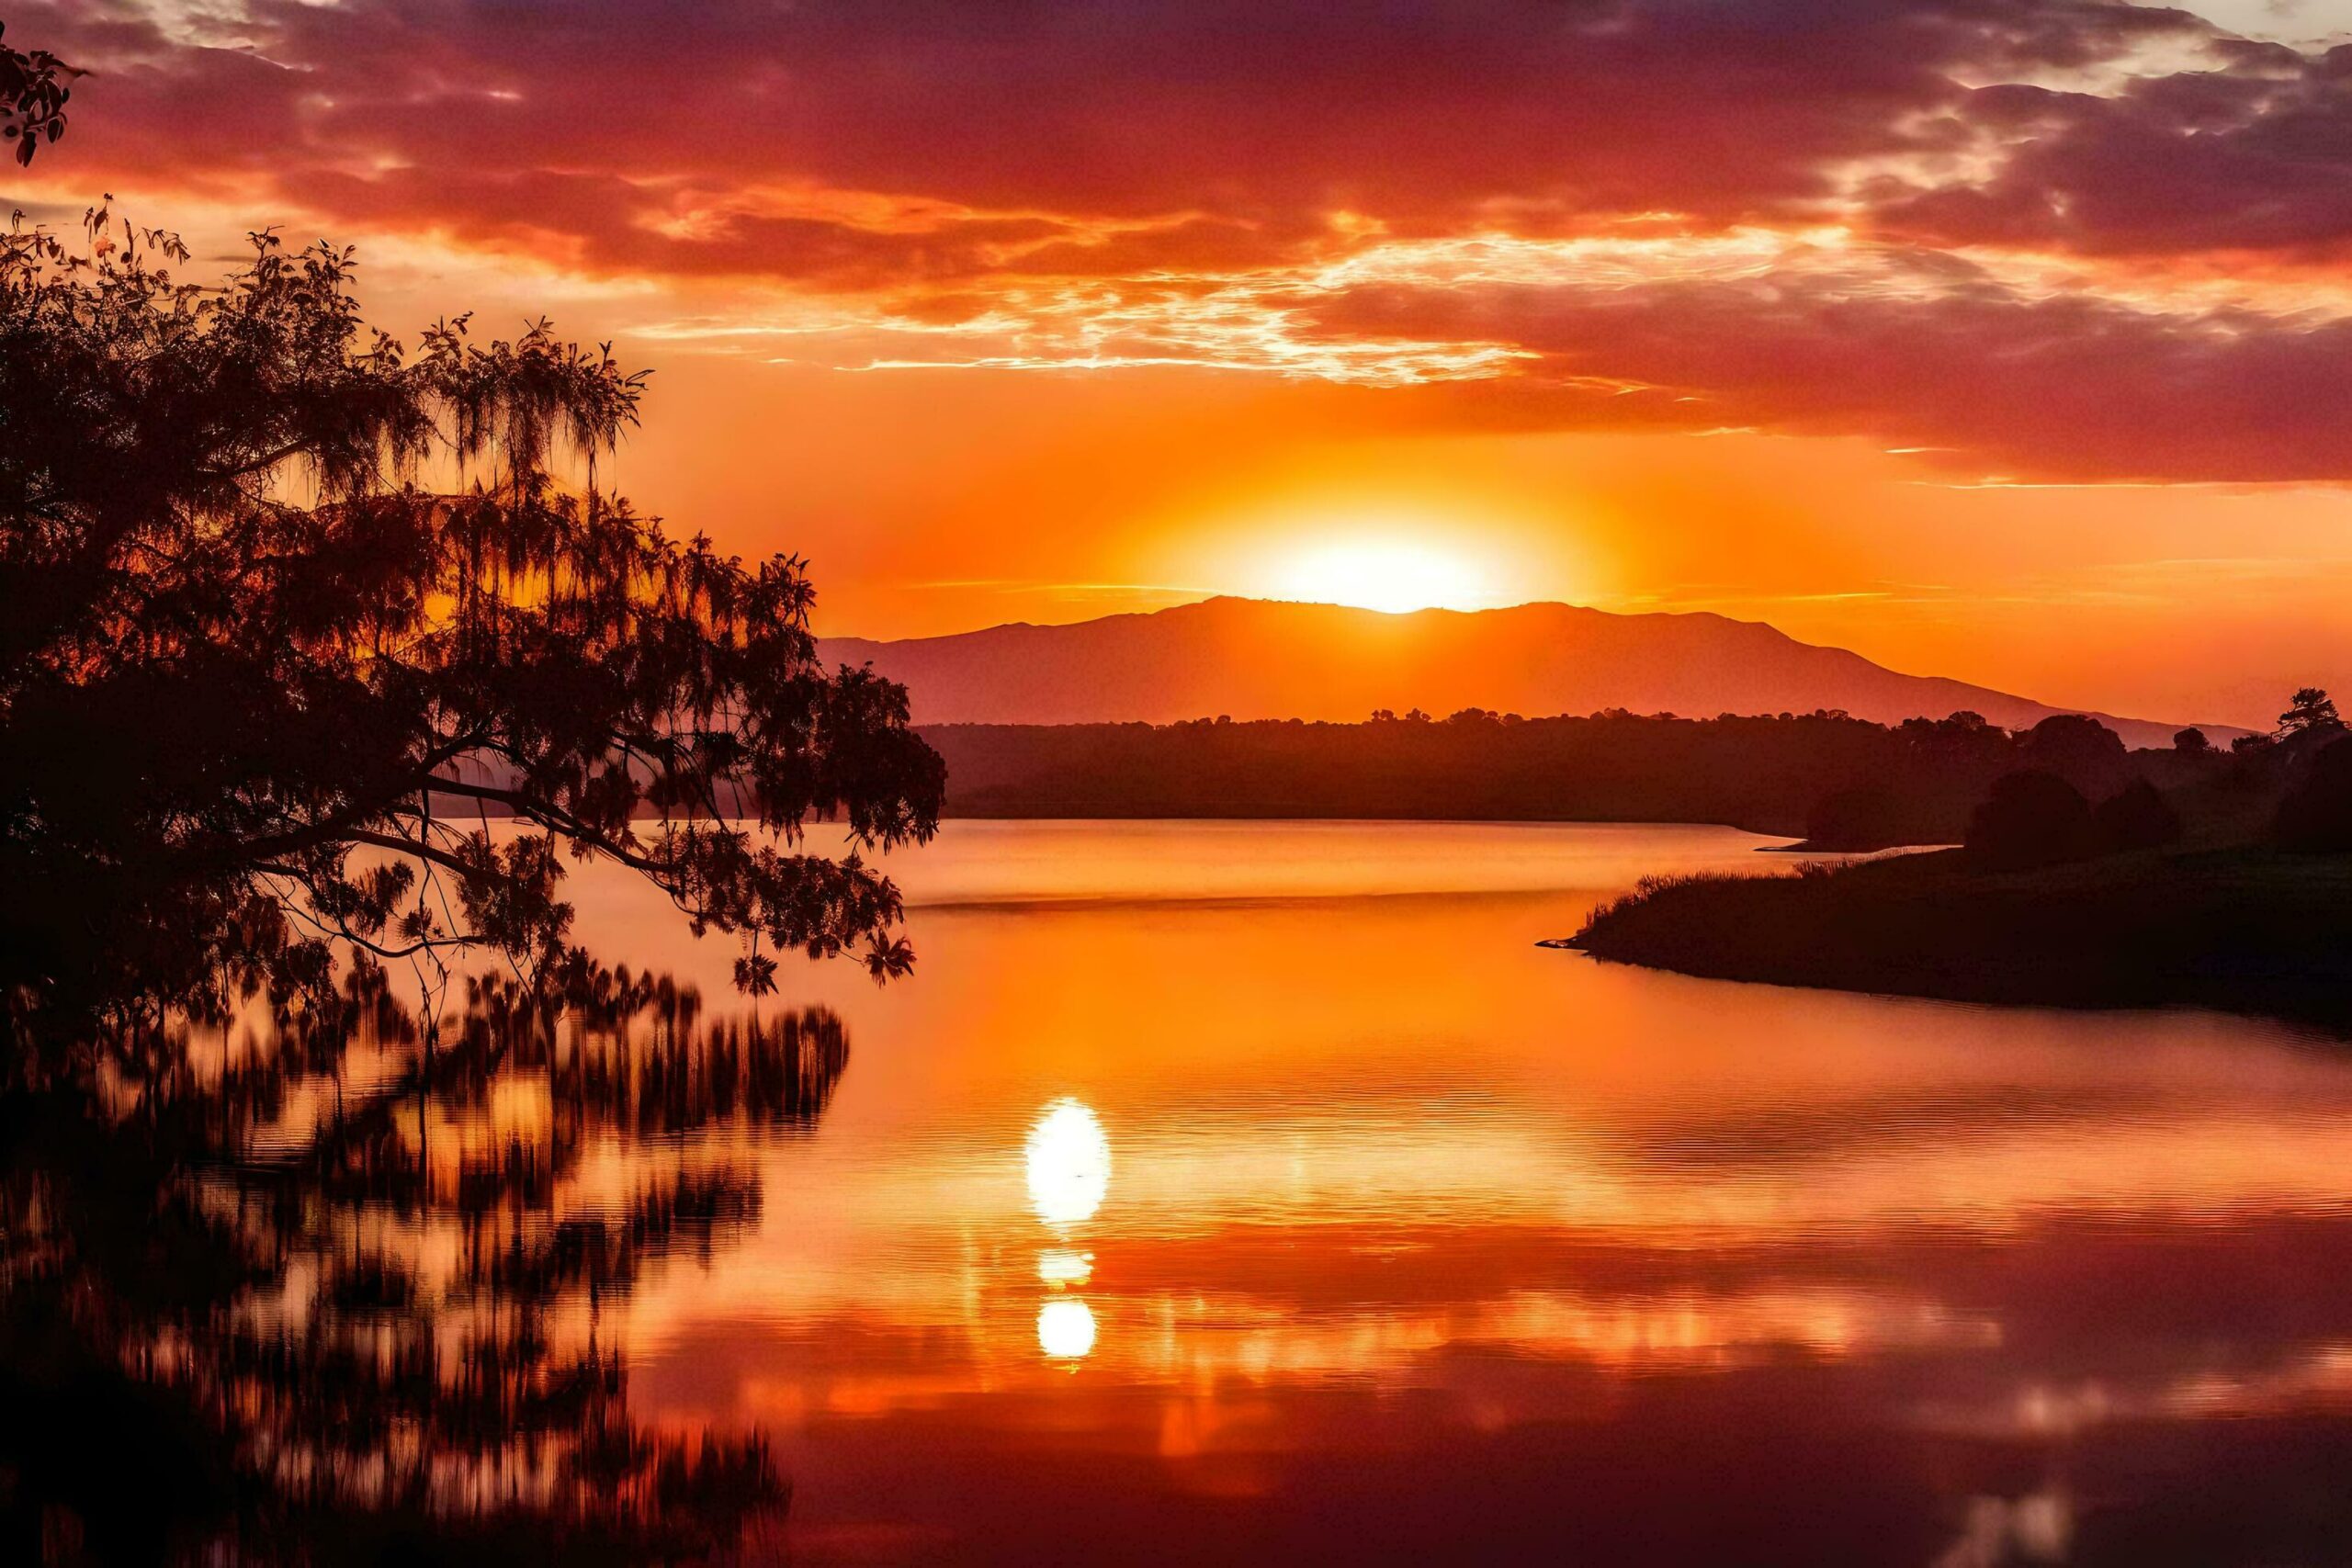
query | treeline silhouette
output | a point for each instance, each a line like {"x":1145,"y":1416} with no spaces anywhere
{"x":2208,"y":877}
{"x":1840,"y":782}
{"x":327,"y":1286}
{"x":2289,"y":787}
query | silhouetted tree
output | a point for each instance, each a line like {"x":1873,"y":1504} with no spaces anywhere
{"x":2311,"y":711}
{"x":2137,"y":818}
{"x":262,"y":687}
{"x":1961,"y":745}
{"x":2031,"y":819}
{"x":2192,"y":742}
{"x":2080,"y":750}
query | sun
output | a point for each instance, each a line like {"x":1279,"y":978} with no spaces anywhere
{"x":1393,"y":576}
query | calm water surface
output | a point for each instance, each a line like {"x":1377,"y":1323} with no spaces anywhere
{"x":1225,"y":1192}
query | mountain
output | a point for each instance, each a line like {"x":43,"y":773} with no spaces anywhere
{"x":1256,"y":658}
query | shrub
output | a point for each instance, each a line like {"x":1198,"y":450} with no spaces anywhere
{"x":2031,"y":819}
{"x":2137,"y":819}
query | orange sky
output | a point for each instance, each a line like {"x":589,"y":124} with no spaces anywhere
{"x":2001,"y":339}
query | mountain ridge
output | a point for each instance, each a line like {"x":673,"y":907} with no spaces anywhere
{"x":1250,"y":659}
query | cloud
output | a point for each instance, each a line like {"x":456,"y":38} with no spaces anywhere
{"x":1529,"y":114}
{"x":2255,"y":156}
{"x":1932,"y":221}
{"x":1915,"y":350}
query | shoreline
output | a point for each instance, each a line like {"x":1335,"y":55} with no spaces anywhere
{"x":2242,"y":931}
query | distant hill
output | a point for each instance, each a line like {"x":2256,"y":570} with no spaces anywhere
{"x":1254,"y":658}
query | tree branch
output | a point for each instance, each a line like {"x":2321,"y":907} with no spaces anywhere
{"x":548,"y":815}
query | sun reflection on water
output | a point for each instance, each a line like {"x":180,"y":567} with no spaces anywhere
{"x":1070,"y":1164}
{"x":1066,"y":1328}
{"x":1061,"y":1268}
{"x":1069,"y":1174}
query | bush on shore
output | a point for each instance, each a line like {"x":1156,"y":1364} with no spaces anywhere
{"x":2031,"y":817}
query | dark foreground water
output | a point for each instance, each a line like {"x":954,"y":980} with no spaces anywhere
{"x":1232,"y":1193}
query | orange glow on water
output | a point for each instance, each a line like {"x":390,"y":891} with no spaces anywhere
{"x":1308,"y":1162}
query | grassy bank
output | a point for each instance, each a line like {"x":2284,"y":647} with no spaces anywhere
{"x":2249,"y":929}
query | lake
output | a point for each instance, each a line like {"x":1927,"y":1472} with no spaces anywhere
{"x":1222,"y":1192}
{"x":1225,"y":1192}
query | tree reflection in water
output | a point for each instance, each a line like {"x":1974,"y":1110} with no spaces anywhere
{"x":339,"y":1288}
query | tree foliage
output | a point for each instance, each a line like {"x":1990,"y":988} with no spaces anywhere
{"x":2079,"y":749}
{"x":2311,"y":711}
{"x":33,"y":90}
{"x":288,"y":612}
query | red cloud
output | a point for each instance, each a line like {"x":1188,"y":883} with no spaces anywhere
{"x":1423,"y":117}
{"x":2254,"y":157}
{"x":1916,"y":352}
{"x":1047,"y":158}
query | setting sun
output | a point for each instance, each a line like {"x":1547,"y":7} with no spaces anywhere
{"x":1387,"y":575}
{"x":1656,"y":696}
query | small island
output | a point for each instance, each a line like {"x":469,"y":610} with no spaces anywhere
{"x":2231,"y":888}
